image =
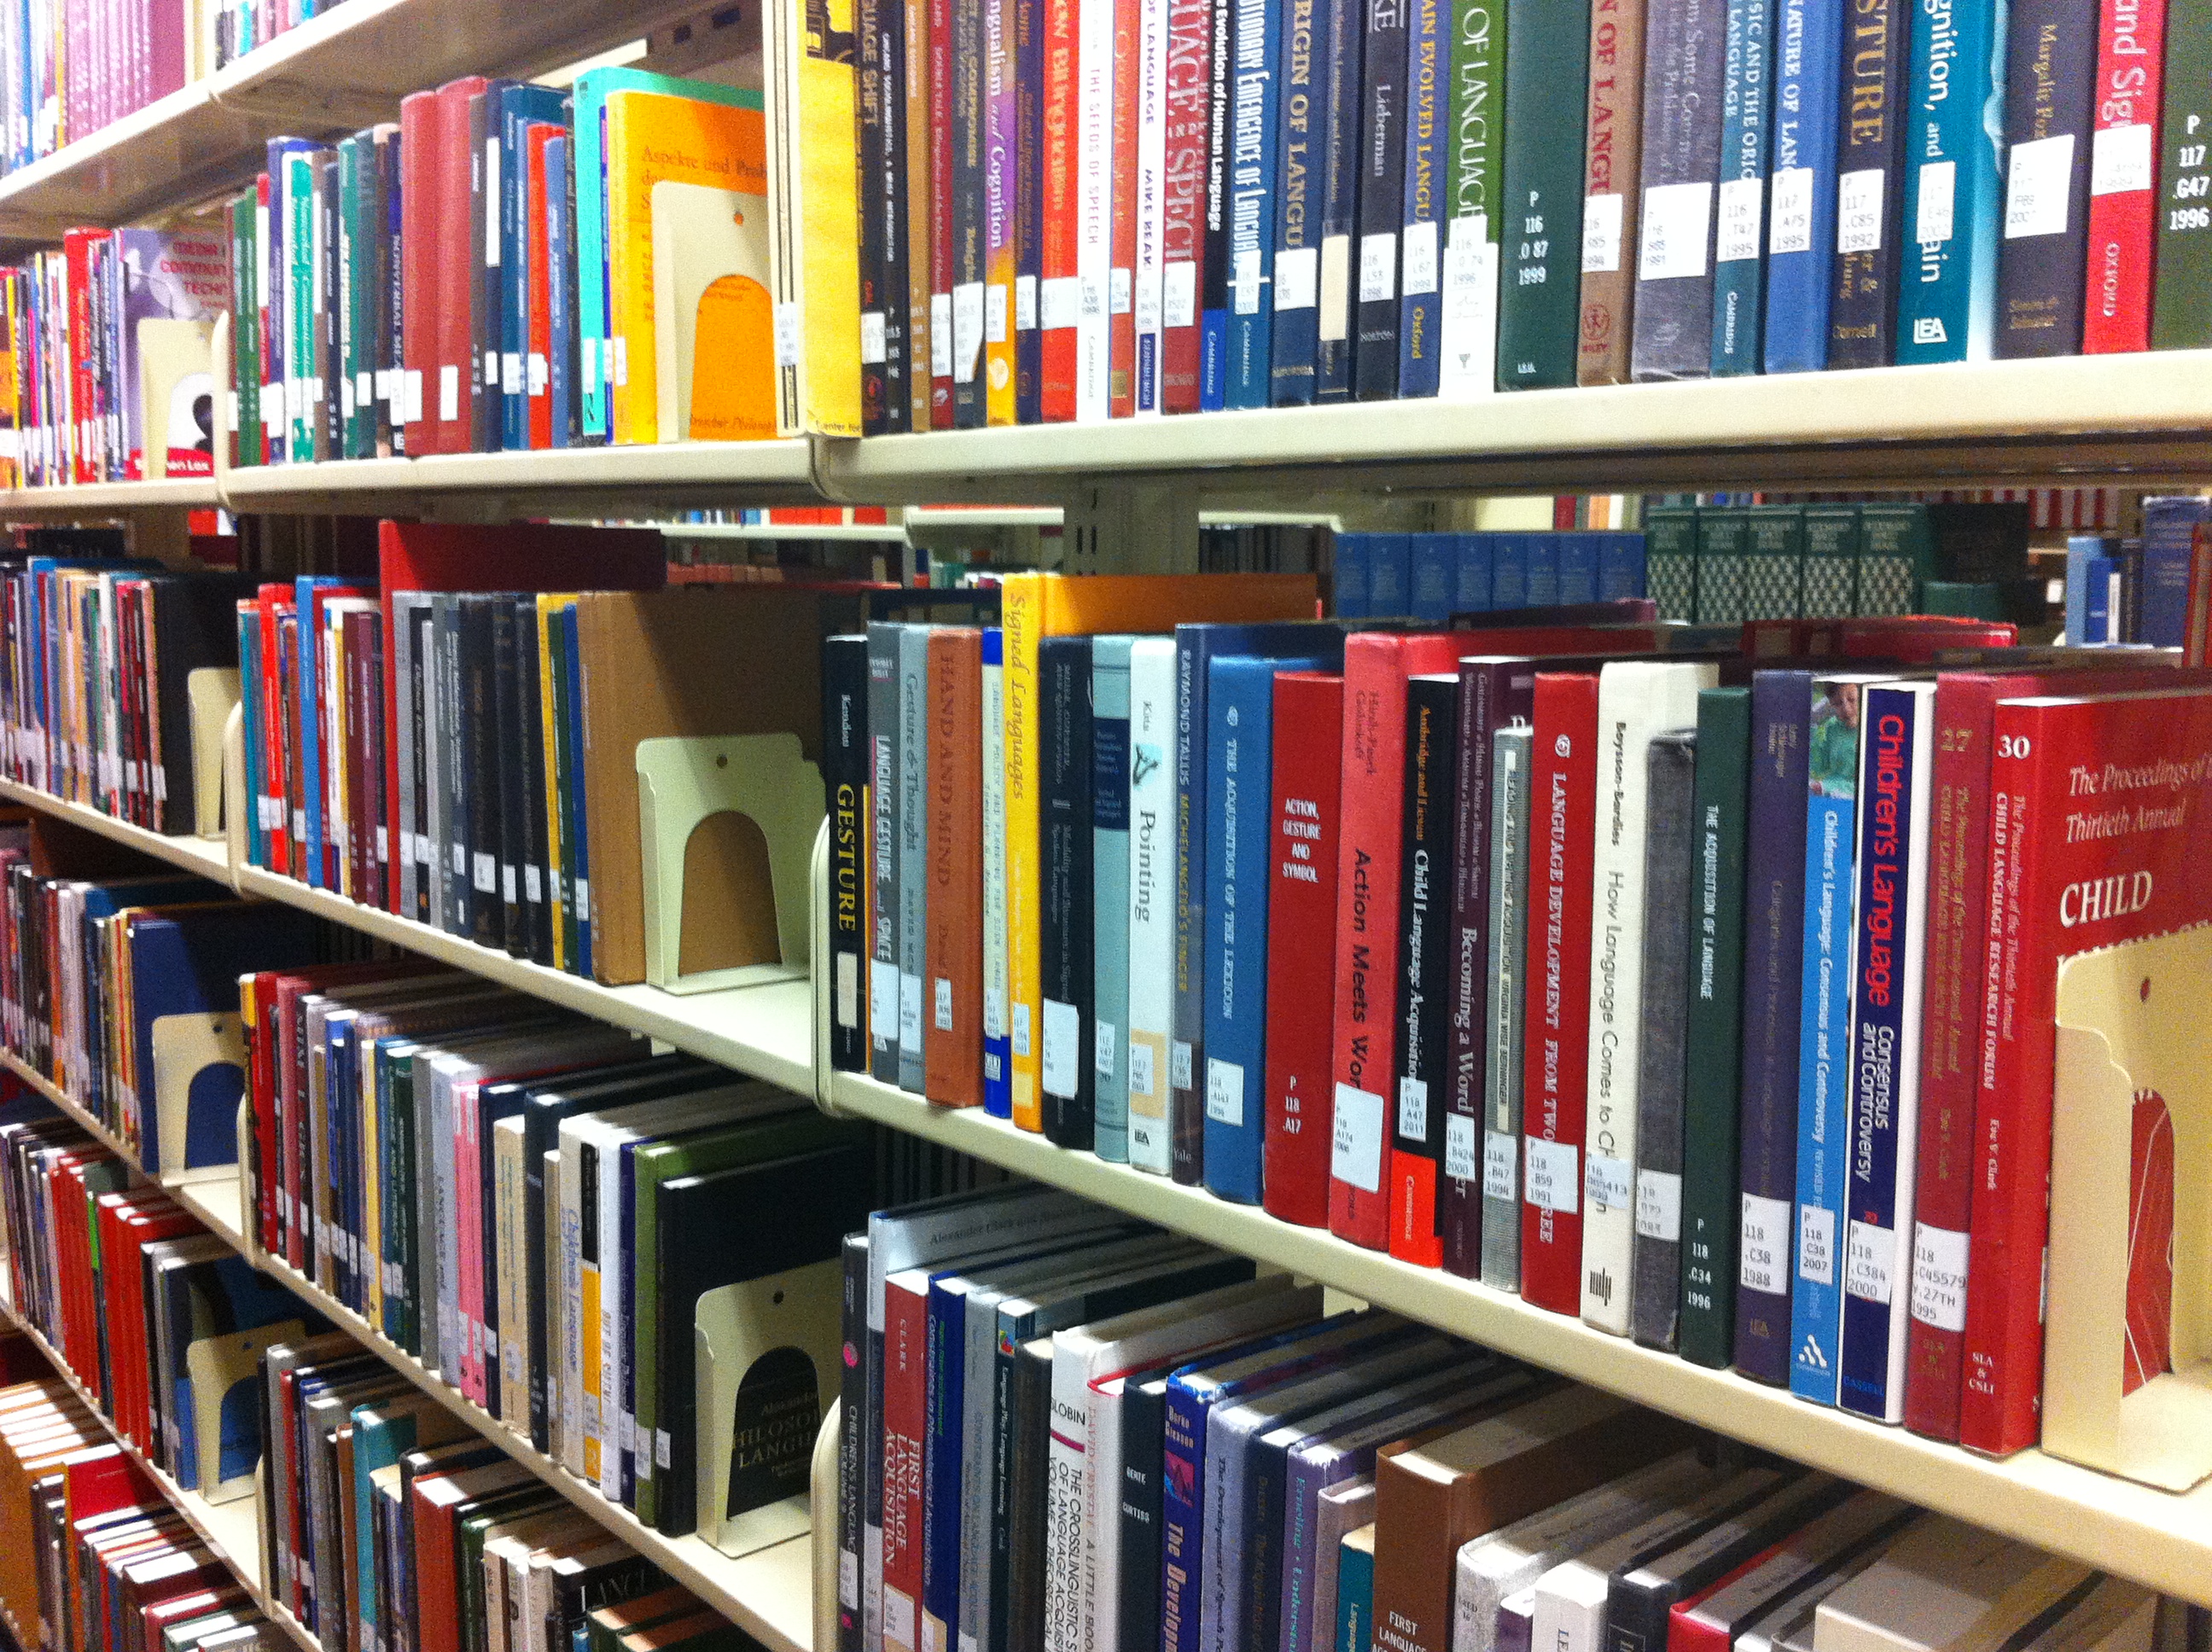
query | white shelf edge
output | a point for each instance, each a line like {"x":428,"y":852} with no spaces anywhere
{"x":169,"y":493}
{"x":2156,"y":1537}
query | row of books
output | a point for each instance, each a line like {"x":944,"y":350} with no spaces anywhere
{"x":94,"y":1554}
{"x":2142,"y":588}
{"x":1521,"y":955}
{"x":108,"y":376}
{"x":1058,"y":1433}
{"x":549,"y":1217}
{"x":1431,"y":576}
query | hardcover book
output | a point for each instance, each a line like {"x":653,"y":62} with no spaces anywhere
{"x":1869,"y":156}
{"x":1801,"y":207}
{"x":1613,"y":155}
{"x":1739,"y":206}
{"x":1952,"y":178}
{"x":2050,"y":102}
{"x":1655,"y":1252}
{"x":1684,"y":66}
{"x":1539,"y":281}
{"x":1504,"y":1067}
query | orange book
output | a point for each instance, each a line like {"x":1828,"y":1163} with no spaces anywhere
{"x":952,"y":999}
{"x":1122,"y":282}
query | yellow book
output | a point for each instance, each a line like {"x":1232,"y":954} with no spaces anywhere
{"x":653,"y":136}
{"x":549,"y":609}
{"x":1034,"y":606}
{"x":813,"y":54}
{"x":713,"y":321}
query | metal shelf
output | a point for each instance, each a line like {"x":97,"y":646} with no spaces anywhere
{"x":183,"y":493}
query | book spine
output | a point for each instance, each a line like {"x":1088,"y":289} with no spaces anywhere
{"x":1773,"y":954}
{"x":1187,"y":1045}
{"x":952,"y":1035}
{"x":946,"y":1371}
{"x":1612,"y":165}
{"x":1155,"y":30}
{"x":1004,"y":184}
{"x":1303,"y":71}
{"x":1213,"y":269}
{"x":1064,"y":839}
{"x":928,"y":347}
{"x":1426,"y":934}
{"x":1506,"y":1064}
{"x":1249,"y":180}
{"x":1060,"y":302}
{"x":1656,"y":1250}
{"x":1337,"y":197}
{"x":1309,"y":716}
{"x":1870,"y":161}
{"x":1800,"y":203}
{"x":1886,"y":1008}
{"x":1143,"y":1444}
{"x":1240,"y":712}
{"x":1152,"y":920}
{"x":2049,"y":98}
{"x":869,"y":84}
{"x":998,"y":1051}
{"x":1094,"y":206}
{"x":1030,"y":26}
{"x":1122,"y":210}
{"x":1686,"y":55}
{"x":1461,"y":1198}
{"x":2181,"y":301}
{"x":1823,"y":1089}
{"x":1183,"y":1520}
{"x":1182,"y":214}
{"x":2122,"y":176}
{"x":1539,"y":281}
{"x":904,"y":1418}
{"x":1713,"y":1040}
{"x":969,"y":226}
{"x":884,"y":994}
{"x":913,"y":827}
{"x":945,"y":73}
{"x":846,"y":780}
{"x":1420,"y":298}
{"x":1946,"y":292}
{"x":1381,"y":189}
{"x":1110,"y":871}
{"x":1740,"y":208}
{"x":1467,"y":339}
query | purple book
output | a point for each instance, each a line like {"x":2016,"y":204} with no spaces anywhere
{"x":169,"y":276}
{"x":1002,"y":178}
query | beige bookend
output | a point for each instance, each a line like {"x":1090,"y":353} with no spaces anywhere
{"x":210,"y":692}
{"x":694,"y":941}
{"x":205,"y":1052}
{"x":225,"y":1380}
{"x":713,"y":317}
{"x":234,"y":789}
{"x":176,"y":394}
{"x":2133,"y":1042}
{"x":767,"y":1371}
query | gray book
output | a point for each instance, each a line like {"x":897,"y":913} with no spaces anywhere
{"x":453,"y":849}
{"x":883,"y":851}
{"x":1109,"y":881}
{"x":913,"y":846}
{"x":1681,"y":160}
{"x":404,"y":607}
{"x":1655,"y":1292}
{"x":1509,"y":951}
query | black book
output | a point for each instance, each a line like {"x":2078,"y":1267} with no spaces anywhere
{"x":576,"y":1595}
{"x":1028,"y":47}
{"x":1425,"y":931}
{"x":370,"y":271}
{"x":1384,"y":97}
{"x":882,"y":941}
{"x":419,"y":684}
{"x":481,"y":762}
{"x":1641,"y":1593}
{"x":2050,"y":97}
{"x":1343,"y":23}
{"x":748,"y":1222}
{"x":1066,"y":923}
{"x":1870,"y":186}
{"x":845,"y":782}
{"x":1213,"y":267}
{"x":852,"y":1402}
{"x":1655,"y":1253}
{"x":1024,"y":1423}
{"x":1143,"y":1448}
{"x":485,"y":284}
{"x":529,"y":721}
{"x":1684,"y":51}
{"x":511,"y":743}
{"x":194,"y":618}
{"x":446,"y":827}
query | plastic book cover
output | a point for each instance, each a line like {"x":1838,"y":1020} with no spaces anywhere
{"x":168,"y":276}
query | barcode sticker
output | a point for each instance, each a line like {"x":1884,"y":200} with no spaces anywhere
{"x":1743,"y":201}
{"x":1659,"y":1206}
{"x":1356,"y":1148}
{"x":1609,"y":1183}
{"x":1418,"y":276}
{"x":1297,"y":275}
{"x":1858,"y":210}
{"x":1677,"y":222}
{"x":1939,"y":1278}
{"x":1501,"y":1159}
{"x":1869,"y":1259}
{"x":1413,"y":1108}
{"x":873,"y":352}
{"x":1378,"y":267}
{"x":1601,"y":234}
{"x":2119,"y":159}
{"x":2038,"y":177}
{"x":1063,"y":1048}
{"x":1459,"y":1147}
{"x":1933,"y":215}
{"x":1816,"y":1244}
{"x":1180,"y":290}
{"x":1225,"y":1092}
{"x":1792,"y":227}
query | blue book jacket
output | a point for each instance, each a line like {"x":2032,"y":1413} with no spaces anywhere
{"x":1389,"y":575}
{"x":1350,"y":577}
{"x":1746,"y":104}
{"x":1824,"y":1055}
{"x":1577,"y":575}
{"x":1109,"y":882}
{"x":1801,"y":243}
{"x":1436,"y":575}
{"x":1509,"y":570}
{"x":520,"y":108}
{"x":2168,"y":527}
{"x":1420,"y":300}
{"x":1542,"y":580}
{"x":309,"y":711}
{"x":1947,"y":293}
{"x":1473,"y":596}
{"x":1306,"y":100}
{"x":1620,"y":566}
{"x":998,"y":1047}
{"x":1251,"y":205}
{"x":559,"y":383}
{"x":945,"y":1360}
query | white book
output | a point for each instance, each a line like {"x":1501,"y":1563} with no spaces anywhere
{"x":994,"y":872}
{"x":1151,"y":200}
{"x":1505,"y":1562}
{"x":511,"y":1247}
{"x":1467,"y":328}
{"x":1152,"y":903}
{"x":1936,"y":1587}
{"x":1094,"y":203}
{"x":1343,"y":1509}
{"x":1636,"y":699}
{"x":1083,"y":1556}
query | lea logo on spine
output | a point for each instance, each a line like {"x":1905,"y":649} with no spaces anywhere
{"x":2104,"y":897}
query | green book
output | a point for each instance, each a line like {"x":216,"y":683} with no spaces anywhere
{"x":1773,"y":569}
{"x":1541,"y":237}
{"x":2181,"y":309}
{"x":395,"y":1123}
{"x":382,"y":1433}
{"x":1831,"y":570}
{"x":1476,"y":159}
{"x":1723,"y":546}
{"x":1897,"y":551}
{"x":245,"y":326}
{"x":470,"y":1531}
{"x":357,"y":427}
{"x":752,"y":1141}
{"x":604,"y":1627}
{"x":300,"y":214}
{"x":1670,"y":560}
{"x":1712,"y":1045}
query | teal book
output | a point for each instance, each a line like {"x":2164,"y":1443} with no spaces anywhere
{"x":358,"y":416}
{"x":1109,"y":883}
{"x":1355,"y":1589}
{"x":382,"y":1431}
{"x":1739,"y":240}
{"x":1954,"y":182}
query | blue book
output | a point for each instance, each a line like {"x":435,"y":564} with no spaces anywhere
{"x":1250,"y":187}
{"x":2083,"y":550}
{"x":1824,"y":1052}
{"x":1620,"y":566}
{"x":1947,"y":293}
{"x":309,"y":711}
{"x":1509,"y":570}
{"x":1109,"y":883}
{"x":1739,"y":269}
{"x":1420,"y":297}
{"x":1435,"y":563}
{"x":207,"y":1301}
{"x":2169,"y":526}
{"x":1473,"y":595}
{"x":998,"y":1046}
{"x":1389,"y":575}
{"x":561,"y":384}
{"x":1541,"y":583}
{"x":945,"y":1360}
{"x":520,"y":108}
{"x":1240,"y":723}
{"x":2096,"y":611}
{"x":580,"y":894}
{"x":1801,"y":243}
{"x":1886,"y":1002}
{"x":1306,"y":73}
{"x":1353,"y":552}
{"x":104,"y":900}
{"x":1578,"y":566}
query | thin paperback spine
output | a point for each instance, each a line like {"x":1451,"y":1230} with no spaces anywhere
{"x":1151,"y":905}
{"x":1382,"y":199}
{"x":1122,"y":273}
{"x":1505,"y":1065}
{"x":1109,"y":819}
{"x":1156,"y":26}
{"x":1094,"y":204}
{"x":997,"y":1076}
{"x":970,"y":228}
{"x":1059,"y":296}
{"x":1420,"y":302}
{"x":1213,"y":262}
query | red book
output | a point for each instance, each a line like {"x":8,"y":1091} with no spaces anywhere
{"x":905,"y":1419}
{"x":84,"y":381}
{"x":274,"y":817}
{"x":1301,"y":943}
{"x":1364,"y":1064}
{"x":1182,"y":218}
{"x":1058,"y":295}
{"x":1121,"y":280}
{"x":952,"y":995}
{"x":314,"y":632}
{"x":1562,"y":836}
{"x":439,"y":1502}
{"x":418,"y":257}
{"x":538,"y":379}
{"x":445,"y":282}
{"x":1951,"y":1023}
{"x":2124,"y":177}
{"x":2094,"y":841}
{"x":940,"y":220}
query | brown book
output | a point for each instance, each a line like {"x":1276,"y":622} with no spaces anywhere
{"x":952,"y":1004}
{"x":1430,"y":1498}
{"x":1612,"y":190}
{"x":689,"y":662}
